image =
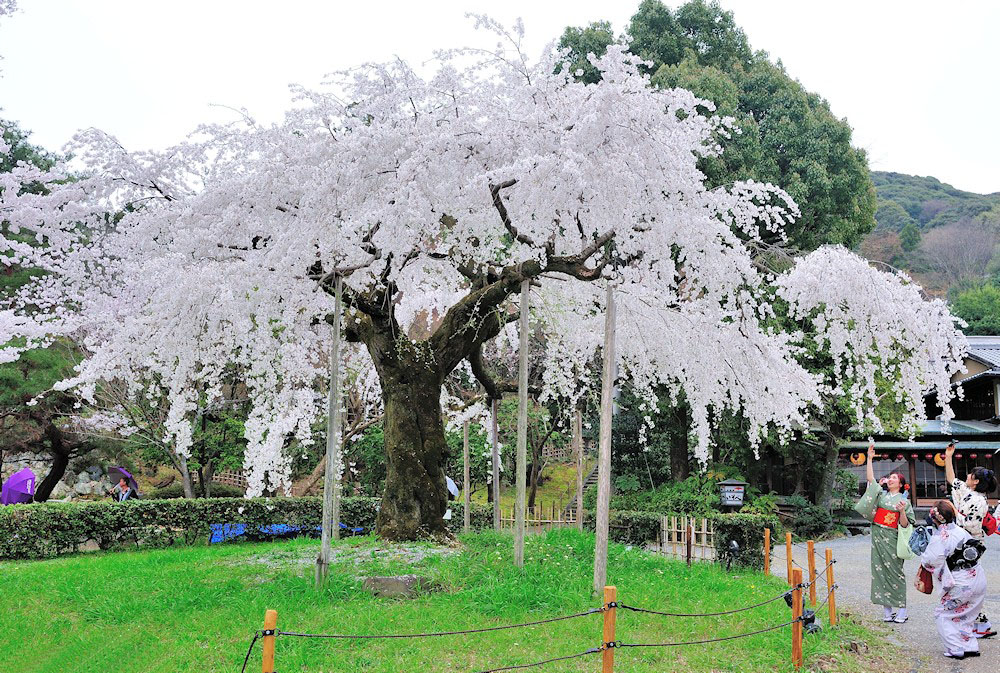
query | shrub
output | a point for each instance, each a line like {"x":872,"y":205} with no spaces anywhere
{"x":695,"y":495}
{"x":176,"y":490}
{"x":50,"y":529}
{"x":748,"y":532}
{"x":809,"y":520}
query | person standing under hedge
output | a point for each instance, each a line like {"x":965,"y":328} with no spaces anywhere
{"x":885,"y":504}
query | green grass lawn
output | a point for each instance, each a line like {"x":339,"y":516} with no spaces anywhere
{"x":194,"y":610}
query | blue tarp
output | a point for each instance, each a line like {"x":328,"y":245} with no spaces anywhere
{"x":228,"y":531}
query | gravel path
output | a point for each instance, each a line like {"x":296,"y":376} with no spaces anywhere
{"x":919,"y":634}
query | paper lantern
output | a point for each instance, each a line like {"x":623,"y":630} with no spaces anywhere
{"x":858,"y":458}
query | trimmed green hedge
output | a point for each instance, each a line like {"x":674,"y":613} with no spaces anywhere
{"x":50,"y":529}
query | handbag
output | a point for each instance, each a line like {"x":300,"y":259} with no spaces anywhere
{"x":903,"y":537}
{"x":925,"y":580}
{"x":919,"y":538}
{"x":989,"y":524}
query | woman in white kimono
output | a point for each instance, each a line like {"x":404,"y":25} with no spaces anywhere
{"x":962,"y":582}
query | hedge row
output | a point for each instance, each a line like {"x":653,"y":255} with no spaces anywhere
{"x":50,"y":529}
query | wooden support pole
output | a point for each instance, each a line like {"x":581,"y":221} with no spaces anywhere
{"x":496,"y":467}
{"x":466,"y":479}
{"x":797,"y":616}
{"x":604,"y":449}
{"x":578,"y":448}
{"x":788,"y":557}
{"x":331,"y":480}
{"x":267,"y":642}
{"x":832,"y":603}
{"x":767,"y":551}
{"x":608,"y":635}
{"x":689,"y":540}
{"x":812,"y":572}
{"x":522,"y":428}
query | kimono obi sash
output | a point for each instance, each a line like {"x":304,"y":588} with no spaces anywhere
{"x":887,"y":518}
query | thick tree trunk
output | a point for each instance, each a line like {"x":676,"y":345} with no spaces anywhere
{"x":208,"y":475}
{"x":60,"y":460}
{"x":186,"y":484}
{"x":831,"y":446}
{"x":415,"y":497}
{"x":680,"y":462}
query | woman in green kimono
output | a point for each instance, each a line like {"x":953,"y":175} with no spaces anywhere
{"x":885,"y":504}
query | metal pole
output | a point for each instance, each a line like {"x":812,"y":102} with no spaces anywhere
{"x":604,"y":453}
{"x":522,"y":429}
{"x":466,"y":500}
{"x":496,"y":469}
{"x":331,"y":482}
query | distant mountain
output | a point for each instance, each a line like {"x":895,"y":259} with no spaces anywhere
{"x":926,"y":201}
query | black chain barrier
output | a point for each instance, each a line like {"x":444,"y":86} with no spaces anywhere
{"x":593,"y":650}
{"x":707,"y":640}
{"x":596,"y":650}
{"x":341,"y":636}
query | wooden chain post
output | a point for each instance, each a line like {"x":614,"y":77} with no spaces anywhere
{"x":812,"y":572}
{"x":797,"y":616}
{"x":608,"y":655}
{"x":689,"y":541}
{"x":788,"y":557}
{"x":270,"y":624}
{"x":767,"y":551}
{"x":832,"y":602}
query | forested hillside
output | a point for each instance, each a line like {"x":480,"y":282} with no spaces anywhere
{"x":946,"y":238}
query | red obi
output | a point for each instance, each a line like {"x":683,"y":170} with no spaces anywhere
{"x":887,"y":517}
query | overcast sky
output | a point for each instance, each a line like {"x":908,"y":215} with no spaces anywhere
{"x":916,"y":80}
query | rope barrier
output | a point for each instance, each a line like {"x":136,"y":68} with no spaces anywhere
{"x":705,"y":614}
{"x":342,"y":636}
{"x":709,"y":640}
{"x":593,"y":650}
{"x":253,"y":642}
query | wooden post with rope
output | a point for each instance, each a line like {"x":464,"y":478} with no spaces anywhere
{"x":788,"y":557}
{"x":767,"y":551}
{"x":267,"y":642}
{"x":608,"y":635}
{"x":832,"y":602}
{"x":812,"y":572}
{"x":797,"y":616}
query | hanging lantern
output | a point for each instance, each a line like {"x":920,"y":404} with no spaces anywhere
{"x":929,"y":456}
{"x":858,"y":458}
{"x":913,"y":455}
{"x":973,"y":456}
{"x":899,"y":456}
{"x":939,"y":460}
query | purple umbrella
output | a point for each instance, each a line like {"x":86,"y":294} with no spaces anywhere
{"x":117,"y":473}
{"x":19,"y":487}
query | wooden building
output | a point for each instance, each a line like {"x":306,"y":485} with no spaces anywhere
{"x":976,"y":427}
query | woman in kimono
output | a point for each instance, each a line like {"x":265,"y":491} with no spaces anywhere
{"x":962,"y":582}
{"x":969,"y":498}
{"x":885,"y":504}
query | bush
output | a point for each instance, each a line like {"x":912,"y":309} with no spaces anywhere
{"x":634,"y":528}
{"x":176,"y":490}
{"x":695,"y":495}
{"x":50,"y":529}
{"x":809,"y":521}
{"x":748,"y":532}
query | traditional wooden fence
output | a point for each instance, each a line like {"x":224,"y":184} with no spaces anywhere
{"x":687,"y":537}
{"x":540,"y":519}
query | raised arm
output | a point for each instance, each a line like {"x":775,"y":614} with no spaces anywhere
{"x":868,"y":464}
{"x":949,"y":465}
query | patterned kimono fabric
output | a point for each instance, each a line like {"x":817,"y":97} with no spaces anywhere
{"x":963,"y":591}
{"x":888,"y":582}
{"x":972,"y":507}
